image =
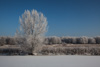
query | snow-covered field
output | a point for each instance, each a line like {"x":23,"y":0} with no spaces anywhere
{"x":49,"y":61}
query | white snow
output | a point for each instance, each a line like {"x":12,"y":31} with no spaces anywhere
{"x":49,"y":61}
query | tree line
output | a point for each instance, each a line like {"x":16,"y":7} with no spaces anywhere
{"x":51,"y":40}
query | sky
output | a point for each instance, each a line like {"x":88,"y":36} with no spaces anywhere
{"x":65,"y":17}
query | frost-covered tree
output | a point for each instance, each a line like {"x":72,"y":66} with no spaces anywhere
{"x":97,"y":39}
{"x":2,"y":41}
{"x":54,"y":40}
{"x":33,"y":26}
{"x":91,"y":40}
{"x":82,"y":40}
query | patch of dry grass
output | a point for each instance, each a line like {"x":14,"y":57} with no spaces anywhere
{"x":55,"y":49}
{"x":71,"y":49}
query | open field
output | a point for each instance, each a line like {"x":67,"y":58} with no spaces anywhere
{"x":49,"y":61}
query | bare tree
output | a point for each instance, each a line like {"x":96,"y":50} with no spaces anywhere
{"x":33,"y":26}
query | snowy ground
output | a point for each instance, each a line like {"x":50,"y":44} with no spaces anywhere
{"x":49,"y":61}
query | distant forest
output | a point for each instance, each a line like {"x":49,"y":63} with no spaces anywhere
{"x":52,"y":40}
